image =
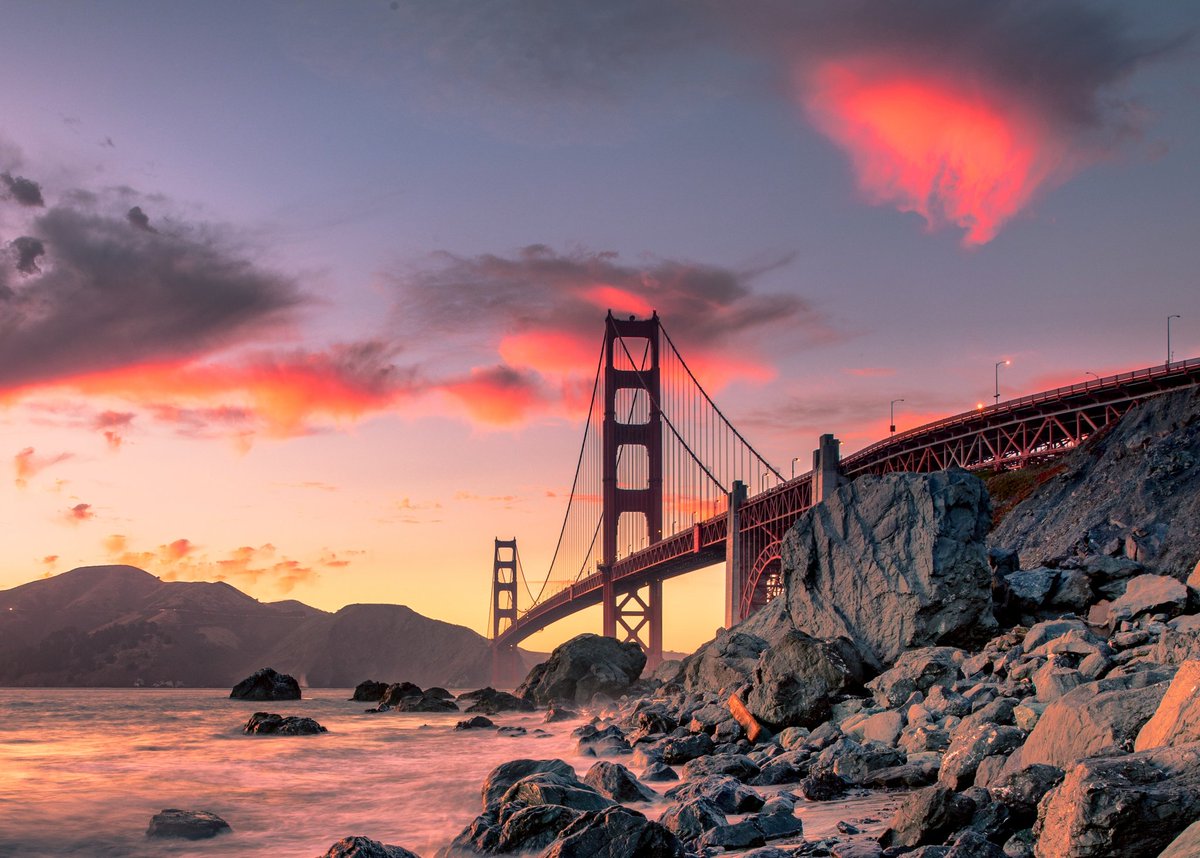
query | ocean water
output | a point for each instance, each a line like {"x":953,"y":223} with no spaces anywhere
{"x":83,"y":770}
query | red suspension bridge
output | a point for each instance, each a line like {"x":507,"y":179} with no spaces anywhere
{"x":661,"y":485}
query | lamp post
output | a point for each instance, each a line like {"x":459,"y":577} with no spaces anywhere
{"x":892,"y":422}
{"x":1169,"y":318}
{"x":795,"y":459}
{"x":999,"y":364}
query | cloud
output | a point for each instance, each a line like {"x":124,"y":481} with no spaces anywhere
{"x":139,"y":219}
{"x":27,"y":464}
{"x":250,"y":568}
{"x":958,"y":111}
{"x":24,"y":191}
{"x":114,"y":297}
{"x":80,"y":512}
{"x":26,"y":251}
{"x":499,"y":395}
{"x":114,"y":425}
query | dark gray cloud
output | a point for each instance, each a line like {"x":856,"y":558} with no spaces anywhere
{"x":26,"y":251}
{"x":139,"y":219}
{"x":111,"y":297}
{"x":540,"y":289}
{"x":25,"y":191}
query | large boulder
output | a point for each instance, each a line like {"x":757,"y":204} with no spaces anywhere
{"x":616,"y":832}
{"x":927,"y":817}
{"x":554,"y":788}
{"x":1132,"y":806}
{"x":501,"y":778}
{"x":1149,"y":594}
{"x":919,"y":670}
{"x":795,"y":679}
{"x":489,"y":701}
{"x":363,"y":847}
{"x":1177,"y":718}
{"x":368,"y":691}
{"x":268,"y":723}
{"x":583,"y":666}
{"x":1099,"y":717}
{"x":725,"y":663}
{"x":1186,"y":845}
{"x":893,"y":563}
{"x":266,"y":684}
{"x":617,"y":782}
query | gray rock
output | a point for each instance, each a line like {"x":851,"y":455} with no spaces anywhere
{"x":1093,"y":718}
{"x":476,"y":723}
{"x":778,"y":823}
{"x":430,"y":703}
{"x":681,"y":749}
{"x":1054,"y":679}
{"x":735,"y":765}
{"x":794,"y":679}
{"x":364,"y":847}
{"x":883,"y":727}
{"x":266,"y":684}
{"x":739,"y":835}
{"x":397,"y":691}
{"x":727,"y":793}
{"x":823,"y":786}
{"x":892,"y":563}
{"x":1042,"y":633}
{"x":969,"y":749}
{"x":487,"y":701}
{"x":617,"y":782}
{"x":970,"y":844}
{"x":1186,"y":845}
{"x":1021,"y":790}
{"x":927,"y":816}
{"x":268,"y":723}
{"x":553,"y":788}
{"x":501,"y":778}
{"x":617,"y":832}
{"x":854,"y":762}
{"x":724,"y":664}
{"x":1132,"y":805}
{"x":1150,"y":594}
{"x":918,"y":670}
{"x":1176,"y":720}
{"x":369,"y":691}
{"x":689,"y":819}
{"x":527,"y":829}
{"x":658,"y":773}
{"x":582,"y":667}
{"x":1030,"y":588}
{"x":186,"y":824}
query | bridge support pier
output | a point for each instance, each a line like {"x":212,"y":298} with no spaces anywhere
{"x":734,"y":561}
{"x":827,"y":468}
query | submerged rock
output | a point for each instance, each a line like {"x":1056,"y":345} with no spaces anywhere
{"x":266,"y":684}
{"x":186,"y":824}
{"x":489,"y":701}
{"x":363,"y":847}
{"x":369,"y":691}
{"x":476,"y":723}
{"x":582,"y":667}
{"x":268,"y":723}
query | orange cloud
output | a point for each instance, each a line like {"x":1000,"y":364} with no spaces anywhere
{"x":498,"y":396}
{"x":80,"y":512}
{"x":953,"y":152}
{"x":28,"y":464}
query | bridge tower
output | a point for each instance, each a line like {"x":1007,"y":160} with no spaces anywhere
{"x":631,"y":381}
{"x":505,"y":660}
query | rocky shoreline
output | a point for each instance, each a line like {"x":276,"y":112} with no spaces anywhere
{"x":1046,"y":712}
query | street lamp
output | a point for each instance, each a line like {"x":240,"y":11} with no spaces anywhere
{"x":892,"y":427}
{"x":999,"y":364}
{"x":1169,"y":318}
{"x":795,"y":459}
{"x":1092,"y":374}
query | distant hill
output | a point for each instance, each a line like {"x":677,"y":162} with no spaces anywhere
{"x":119,"y":625}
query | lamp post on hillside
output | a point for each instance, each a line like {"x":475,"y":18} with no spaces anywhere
{"x":1169,"y":318}
{"x":892,"y":422}
{"x":999,"y":364}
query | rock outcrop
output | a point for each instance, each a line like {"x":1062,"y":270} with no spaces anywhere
{"x":363,"y":847}
{"x":893,"y":563}
{"x":186,"y":824}
{"x":268,"y":723}
{"x":582,"y":667}
{"x":267,"y":684}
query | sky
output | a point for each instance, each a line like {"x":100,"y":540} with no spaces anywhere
{"x":307,"y":296}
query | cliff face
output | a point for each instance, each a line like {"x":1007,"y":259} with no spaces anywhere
{"x":1133,"y":492}
{"x":117,"y":625}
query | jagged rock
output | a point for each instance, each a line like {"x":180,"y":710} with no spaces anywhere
{"x":918,"y":670}
{"x":425,"y":703}
{"x":476,"y":723}
{"x":555,"y":788}
{"x":823,"y":786}
{"x":777,"y":823}
{"x":617,"y":832}
{"x":1132,"y":806}
{"x":364,"y":847}
{"x":511,"y":731}
{"x":659,"y":773}
{"x":1030,"y":588}
{"x":794,"y":679}
{"x":1139,"y":476}
{"x":1177,"y":718}
{"x":397,"y":691}
{"x":1054,"y":679}
{"x":927,"y":816}
{"x":1149,"y":594}
{"x":1093,"y":718}
{"x":723,"y":664}
{"x":529,"y":829}
{"x":266,"y":684}
{"x":971,"y":844}
{"x":489,"y":701}
{"x":735,"y":765}
{"x":369,"y":691}
{"x":1176,"y":644}
{"x":883,"y":727}
{"x":186,"y":824}
{"x":689,"y":819}
{"x":582,"y":667}
{"x":1021,"y":790}
{"x":617,"y":782}
{"x":1042,"y":633}
{"x":608,"y":742}
{"x":739,"y":835}
{"x":1186,"y":845}
{"x":911,"y":774}
{"x":970,"y":747}
{"x":501,"y":778}
{"x":268,"y":723}
{"x":854,"y":762}
{"x":684,"y":748}
{"x":558,"y":712}
{"x":727,"y":793}
{"x":438,"y":691}
{"x":893,"y":563}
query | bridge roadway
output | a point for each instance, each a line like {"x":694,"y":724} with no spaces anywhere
{"x":1010,"y":434}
